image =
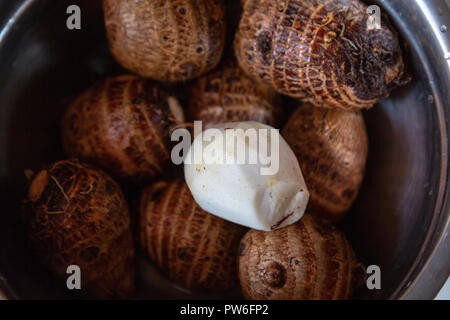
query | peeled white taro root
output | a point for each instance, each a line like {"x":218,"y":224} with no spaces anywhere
{"x":266,"y":194}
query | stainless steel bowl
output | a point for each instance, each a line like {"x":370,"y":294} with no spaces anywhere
{"x":400,"y":221}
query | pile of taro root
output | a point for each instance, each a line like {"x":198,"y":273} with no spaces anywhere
{"x":320,"y":55}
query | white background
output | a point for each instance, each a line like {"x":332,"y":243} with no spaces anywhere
{"x":445,"y":292}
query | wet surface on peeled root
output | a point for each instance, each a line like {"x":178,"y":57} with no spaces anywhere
{"x":320,"y":51}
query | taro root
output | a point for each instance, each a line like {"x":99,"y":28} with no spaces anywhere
{"x":305,"y":261}
{"x":247,"y":192}
{"x":166,"y":40}
{"x":228,"y":95}
{"x":320,"y":51}
{"x":77,"y":215}
{"x":331,"y":146}
{"x":192,"y":247}
{"x":122,"y":125}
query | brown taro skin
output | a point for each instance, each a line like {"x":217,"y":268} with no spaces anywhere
{"x":320,"y":51}
{"x":77,"y":215}
{"x":122,"y":125}
{"x":331,"y":146}
{"x":305,"y":261}
{"x":166,"y":40}
{"x":192,"y":247}
{"x":228,"y":95}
